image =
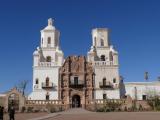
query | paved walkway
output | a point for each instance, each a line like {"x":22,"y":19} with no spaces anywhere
{"x":70,"y":111}
{"x":76,"y":111}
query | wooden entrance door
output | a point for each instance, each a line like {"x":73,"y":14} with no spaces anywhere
{"x":76,"y":101}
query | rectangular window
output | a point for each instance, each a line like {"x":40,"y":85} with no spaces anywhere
{"x":49,"y":40}
{"x":93,"y":95}
{"x":75,"y":80}
{"x":104,"y":96}
{"x":47,"y":97}
{"x":114,"y":80}
{"x":144,"y":97}
{"x":37,"y":81}
{"x":104,"y":81}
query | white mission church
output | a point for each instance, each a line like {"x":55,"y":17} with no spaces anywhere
{"x":78,"y":78}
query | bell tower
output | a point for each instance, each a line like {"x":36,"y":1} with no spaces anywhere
{"x":47,"y":59}
{"x":104,"y":59}
{"x":100,"y":37}
{"x":50,"y":36}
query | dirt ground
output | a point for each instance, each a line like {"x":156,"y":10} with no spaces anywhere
{"x":25,"y":116}
{"x":110,"y":116}
{"x":86,"y":115}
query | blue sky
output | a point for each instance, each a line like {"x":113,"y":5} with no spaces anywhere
{"x":134,"y":24}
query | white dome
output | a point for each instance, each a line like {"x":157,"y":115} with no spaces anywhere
{"x":50,"y":25}
{"x":35,"y":52}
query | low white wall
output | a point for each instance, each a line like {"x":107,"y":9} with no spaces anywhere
{"x":111,"y":94}
{"x":41,"y":95}
{"x":137,"y":90}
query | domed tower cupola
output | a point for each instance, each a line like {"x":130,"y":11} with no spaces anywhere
{"x":50,"y":36}
{"x":100,"y":37}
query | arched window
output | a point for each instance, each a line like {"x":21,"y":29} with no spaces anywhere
{"x":95,"y":41}
{"x":37,"y":81}
{"x":42,"y":40}
{"x":104,"y":81}
{"x":102,"y":57}
{"x":48,"y":59}
{"x":47,"y":81}
{"x":49,"y":40}
{"x":102,"y":42}
{"x":110,"y":56}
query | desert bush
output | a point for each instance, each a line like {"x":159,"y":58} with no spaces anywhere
{"x":23,"y":109}
{"x":36,"y":109}
{"x":108,"y":106}
{"x":30,"y":109}
{"x":125,"y":108}
{"x":155,"y":103}
{"x":140,"y":108}
{"x":100,"y":110}
{"x":52,"y":109}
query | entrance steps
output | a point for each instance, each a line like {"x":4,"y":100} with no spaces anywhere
{"x":76,"y":110}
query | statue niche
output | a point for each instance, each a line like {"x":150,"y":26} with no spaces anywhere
{"x":75,"y":64}
{"x":65,"y":81}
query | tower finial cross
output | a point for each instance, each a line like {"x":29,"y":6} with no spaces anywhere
{"x":50,"y":21}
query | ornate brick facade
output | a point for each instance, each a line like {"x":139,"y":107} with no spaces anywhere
{"x":76,"y":82}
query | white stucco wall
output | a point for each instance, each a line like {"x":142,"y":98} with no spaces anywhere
{"x":43,"y":73}
{"x":106,"y":72}
{"x":41,"y":95}
{"x":142,"y":88}
{"x":111,"y":94}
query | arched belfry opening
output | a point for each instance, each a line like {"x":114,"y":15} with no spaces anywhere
{"x":76,"y":101}
{"x":48,"y":59}
{"x":102,"y":42}
{"x":102,"y":57}
{"x":49,"y":40}
{"x":47,"y":81}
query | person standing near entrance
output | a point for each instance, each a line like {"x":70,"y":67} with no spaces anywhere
{"x":1,"y":112}
{"x":11,"y":113}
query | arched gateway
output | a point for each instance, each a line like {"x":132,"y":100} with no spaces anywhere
{"x":13,"y":100}
{"x":76,"y":82}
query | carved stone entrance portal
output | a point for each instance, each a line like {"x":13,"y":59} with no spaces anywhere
{"x":76,"y":82}
{"x":76,"y":101}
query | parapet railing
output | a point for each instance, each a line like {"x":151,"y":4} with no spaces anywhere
{"x":48,"y":85}
{"x":102,"y":101}
{"x":103,"y":63}
{"x":47,"y":64}
{"x":43,"y":102}
{"x":106,"y":84}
